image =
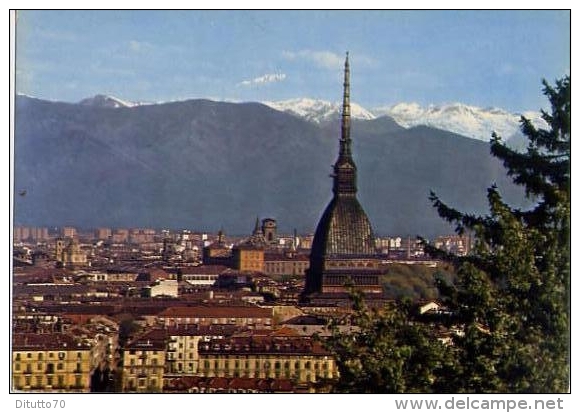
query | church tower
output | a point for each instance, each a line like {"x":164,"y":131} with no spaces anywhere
{"x":343,"y":249}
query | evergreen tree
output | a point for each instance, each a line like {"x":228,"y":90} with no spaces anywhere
{"x":511,"y":296}
{"x":513,"y":291}
{"x":387,"y":352}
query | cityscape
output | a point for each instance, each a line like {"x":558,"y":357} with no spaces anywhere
{"x":143,"y":310}
{"x":283,"y":306}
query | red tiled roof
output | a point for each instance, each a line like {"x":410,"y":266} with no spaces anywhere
{"x":264,"y":345}
{"x":217,"y":312}
{"x":269,"y":385}
{"x":204,"y":269}
{"x":46,"y":341}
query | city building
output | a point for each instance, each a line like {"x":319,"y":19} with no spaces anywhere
{"x":343,"y":250}
{"x":217,"y":252}
{"x":143,"y":363}
{"x":203,"y":276}
{"x":68,"y":253}
{"x":103,"y":234}
{"x":182,"y":347}
{"x":51,"y":362}
{"x":454,"y":244}
{"x":34,"y":234}
{"x":277,"y":356}
{"x":285,"y":263}
{"x":248,"y":316}
{"x":120,"y":235}
{"x":68,"y":232}
{"x":249,"y":255}
{"x":269,"y":229}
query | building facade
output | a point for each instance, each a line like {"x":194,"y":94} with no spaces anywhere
{"x":143,"y":363}
{"x":51,"y":362}
{"x":300,"y":359}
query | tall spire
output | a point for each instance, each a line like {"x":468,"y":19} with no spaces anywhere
{"x":345,"y":136}
{"x":257,"y":229}
{"x":344,"y":168}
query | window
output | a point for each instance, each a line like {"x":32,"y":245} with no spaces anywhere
{"x":49,"y":381}
{"x":17,"y":356}
{"x":61,"y":355}
{"x":40,"y":356}
{"x":28,"y":355}
{"x":79,"y":355}
{"x":39,"y":366}
{"x":59,"y":366}
{"x":17,"y":366}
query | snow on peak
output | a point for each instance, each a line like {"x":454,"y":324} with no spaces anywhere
{"x":318,"y":111}
{"x":471,"y":121}
{"x":105,"y":101}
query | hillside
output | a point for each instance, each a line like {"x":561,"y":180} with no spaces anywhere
{"x":207,"y":165}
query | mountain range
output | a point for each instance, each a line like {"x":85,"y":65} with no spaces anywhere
{"x":467,"y":120}
{"x":206,"y":165}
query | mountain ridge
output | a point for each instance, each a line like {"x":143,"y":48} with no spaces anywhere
{"x":467,"y":120}
{"x":207,"y":165}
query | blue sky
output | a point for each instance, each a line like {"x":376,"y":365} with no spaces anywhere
{"x":482,"y":58}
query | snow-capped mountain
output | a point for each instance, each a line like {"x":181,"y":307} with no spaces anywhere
{"x":105,"y":101}
{"x":470,"y":121}
{"x":318,"y":111}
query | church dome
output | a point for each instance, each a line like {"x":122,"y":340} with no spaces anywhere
{"x":344,"y":230}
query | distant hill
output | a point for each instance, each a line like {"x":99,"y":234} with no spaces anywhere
{"x":206,"y":165}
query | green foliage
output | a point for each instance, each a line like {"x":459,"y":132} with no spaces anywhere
{"x":389,"y":354}
{"x":413,"y":281}
{"x":128,"y":327}
{"x":512,"y":292}
{"x":510,"y":296}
